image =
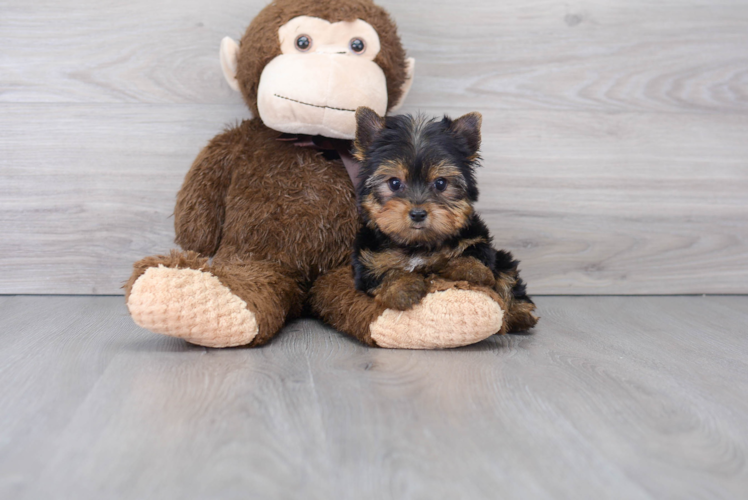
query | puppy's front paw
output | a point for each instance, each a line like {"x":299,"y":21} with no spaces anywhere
{"x":470,"y":270}
{"x":403,"y":293}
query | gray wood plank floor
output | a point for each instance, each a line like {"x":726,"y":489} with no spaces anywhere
{"x":615,"y":151}
{"x":611,"y":397}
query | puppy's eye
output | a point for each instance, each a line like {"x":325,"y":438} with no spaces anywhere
{"x":358,"y":46}
{"x":303,"y":42}
{"x":394,"y":183}
{"x":440,"y":184}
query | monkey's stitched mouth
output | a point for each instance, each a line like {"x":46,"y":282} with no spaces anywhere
{"x":313,"y":105}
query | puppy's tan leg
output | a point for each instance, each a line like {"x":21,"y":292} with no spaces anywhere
{"x":401,"y":290}
{"x":468,"y":269}
{"x":519,"y":312}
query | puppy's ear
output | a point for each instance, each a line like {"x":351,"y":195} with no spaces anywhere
{"x":468,"y":127}
{"x":368,"y":126}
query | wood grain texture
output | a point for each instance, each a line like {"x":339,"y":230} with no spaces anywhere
{"x":635,"y":55}
{"x":614,"y":133}
{"x":84,"y":194}
{"x":611,"y":397}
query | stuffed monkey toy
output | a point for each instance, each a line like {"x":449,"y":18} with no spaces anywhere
{"x":267,"y":217}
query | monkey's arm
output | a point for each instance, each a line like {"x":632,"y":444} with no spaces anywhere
{"x":199,"y":213}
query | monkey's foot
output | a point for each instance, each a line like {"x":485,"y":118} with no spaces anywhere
{"x":443,"y":319}
{"x":192,"y":305}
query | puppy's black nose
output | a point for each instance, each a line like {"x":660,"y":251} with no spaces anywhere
{"x":418,"y":215}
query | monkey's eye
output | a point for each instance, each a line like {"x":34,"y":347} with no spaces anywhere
{"x":440,"y":184}
{"x":303,"y":42}
{"x":358,"y":46}
{"x":394,"y":183}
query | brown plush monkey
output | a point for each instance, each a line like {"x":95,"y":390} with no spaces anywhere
{"x":277,"y":219}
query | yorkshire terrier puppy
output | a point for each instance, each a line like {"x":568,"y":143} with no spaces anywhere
{"x":416,"y":199}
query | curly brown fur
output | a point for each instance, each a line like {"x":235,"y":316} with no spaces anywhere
{"x":260,"y":43}
{"x":334,"y":298}
{"x":267,"y":187}
{"x":200,"y":208}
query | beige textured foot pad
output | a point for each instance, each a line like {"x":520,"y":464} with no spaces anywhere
{"x":192,"y":305}
{"x":451,"y":318}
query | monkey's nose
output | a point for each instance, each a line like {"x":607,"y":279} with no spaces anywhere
{"x":418,"y":215}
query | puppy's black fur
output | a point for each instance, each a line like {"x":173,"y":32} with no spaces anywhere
{"x":416,"y":201}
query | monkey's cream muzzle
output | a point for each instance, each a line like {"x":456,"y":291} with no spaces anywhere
{"x":315,"y":86}
{"x":318,"y":93}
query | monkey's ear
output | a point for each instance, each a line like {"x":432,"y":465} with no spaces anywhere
{"x":368,"y":126}
{"x":229,"y":55}
{"x":468,"y":127}
{"x":410,"y":69}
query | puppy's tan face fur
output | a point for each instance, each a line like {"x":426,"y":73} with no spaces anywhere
{"x":395,"y":193}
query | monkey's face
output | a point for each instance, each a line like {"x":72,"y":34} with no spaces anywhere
{"x":419,"y":184}
{"x":304,"y":66}
{"x":324,"y":72}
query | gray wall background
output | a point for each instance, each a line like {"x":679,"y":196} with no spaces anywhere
{"x":615,"y":133}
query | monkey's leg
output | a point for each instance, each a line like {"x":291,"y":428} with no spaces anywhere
{"x":449,"y":316}
{"x":226,"y":305}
